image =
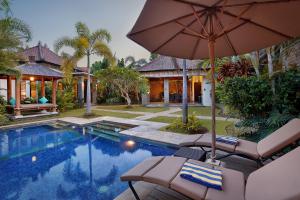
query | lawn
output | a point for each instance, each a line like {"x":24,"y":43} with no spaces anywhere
{"x":220,"y":126}
{"x":77,"y":113}
{"x":203,"y":111}
{"x":134,"y":108}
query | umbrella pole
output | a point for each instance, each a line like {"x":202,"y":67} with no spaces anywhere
{"x":211,"y":47}
{"x":184,"y":94}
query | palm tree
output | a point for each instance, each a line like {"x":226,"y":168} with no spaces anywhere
{"x":134,"y":64}
{"x":85,"y":44}
{"x":13,"y":32}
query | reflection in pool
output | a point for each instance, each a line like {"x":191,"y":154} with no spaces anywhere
{"x":44,"y":162}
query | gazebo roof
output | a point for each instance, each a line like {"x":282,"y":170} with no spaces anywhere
{"x":35,"y":69}
{"x":165,"y":63}
{"x":42,"y":54}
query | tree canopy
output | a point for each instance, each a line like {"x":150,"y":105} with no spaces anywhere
{"x":126,"y":81}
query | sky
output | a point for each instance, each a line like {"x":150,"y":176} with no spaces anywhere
{"x":52,"y":19}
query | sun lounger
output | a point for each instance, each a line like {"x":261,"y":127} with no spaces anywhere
{"x":277,"y":180}
{"x":287,"y":135}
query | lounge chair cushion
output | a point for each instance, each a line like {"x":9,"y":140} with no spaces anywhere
{"x":188,"y":188}
{"x":190,"y":140}
{"x":164,"y":172}
{"x":136,"y":173}
{"x":233,"y":186}
{"x":279,"y":139}
{"x":247,"y":148}
{"x":277,"y":180}
{"x":205,"y":140}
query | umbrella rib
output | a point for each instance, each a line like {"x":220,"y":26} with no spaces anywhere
{"x":191,"y":30}
{"x":198,"y":40}
{"x":226,"y":35}
{"x":259,"y":25}
{"x":225,"y":28}
{"x":199,"y":20}
{"x":259,"y":3}
{"x":232,"y":29}
{"x":171,"y":38}
{"x":164,"y":23}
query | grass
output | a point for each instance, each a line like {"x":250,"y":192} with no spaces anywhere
{"x":203,"y":111}
{"x":76,"y":113}
{"x":133,"y":108}
{"x":220,"y":126}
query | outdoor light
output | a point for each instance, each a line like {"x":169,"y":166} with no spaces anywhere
{"x":31,"y":78}
{"x":33,"y":158}
{"x":130,"y":143}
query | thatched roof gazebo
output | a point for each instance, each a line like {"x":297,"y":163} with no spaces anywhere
{"x":33,"y":72}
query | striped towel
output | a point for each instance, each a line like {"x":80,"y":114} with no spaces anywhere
{"x":202,"y":175}
{"x":227,"y":139}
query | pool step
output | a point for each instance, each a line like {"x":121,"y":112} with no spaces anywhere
{"x":105,"y":135}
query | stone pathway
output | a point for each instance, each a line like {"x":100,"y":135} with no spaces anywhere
{"x":168,"y":113}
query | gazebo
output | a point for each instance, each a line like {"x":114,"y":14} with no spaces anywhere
{"x":31,"y":73}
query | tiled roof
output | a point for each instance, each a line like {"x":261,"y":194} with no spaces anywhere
{"x":39,"y":70}
{"x":165,"y":63}
{"x":42,"y":54}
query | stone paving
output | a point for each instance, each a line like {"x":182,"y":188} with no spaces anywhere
{"x":168,"y":113}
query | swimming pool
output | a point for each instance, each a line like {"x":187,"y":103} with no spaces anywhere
{"x":68,"y":162}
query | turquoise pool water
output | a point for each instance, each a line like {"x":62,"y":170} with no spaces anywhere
{"x":48,"y":162}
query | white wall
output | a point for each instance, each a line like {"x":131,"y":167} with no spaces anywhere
{"x":206,"y":92}
{"x":3,"y":88}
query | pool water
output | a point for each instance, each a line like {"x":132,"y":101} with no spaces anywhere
{"x":48,"y":162}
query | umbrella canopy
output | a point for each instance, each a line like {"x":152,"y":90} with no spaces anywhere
{"x":187,"y":28}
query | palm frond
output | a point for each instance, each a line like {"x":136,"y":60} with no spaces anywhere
{"x":17,"y":27}
{"x":82,"y":30}
{"x":64,"y":42}
{"x":102,"y":49}
{"x":5,"y":6}
{"x":130,"y":59}
{"x":102,"y":35}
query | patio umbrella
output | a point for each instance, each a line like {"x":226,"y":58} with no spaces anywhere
{"x":185,"y":28}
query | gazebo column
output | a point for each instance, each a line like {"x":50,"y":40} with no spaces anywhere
{"x":80,"y":90}
{"x":9,"y":88}
{"x":18,"y":97}
{"x":54,"y":88}
{"x":43,"y":93}
{"x":166,"y":92}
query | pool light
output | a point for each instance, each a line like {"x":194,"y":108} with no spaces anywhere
{"x":33,"y":159}
{"x":130,"y":143}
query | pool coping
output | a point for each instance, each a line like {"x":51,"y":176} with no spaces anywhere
{"x":143,"y":129}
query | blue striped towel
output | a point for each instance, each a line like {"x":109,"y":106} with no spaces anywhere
{"x":202,"y":175}
{"x":227,"y":139}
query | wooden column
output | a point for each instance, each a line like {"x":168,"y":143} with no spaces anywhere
{"x":43,"y":94}
{"x":54,"y":89}
{"x":166,"y":91}
{"x":18,"y":97}
{"x":8,"y":88}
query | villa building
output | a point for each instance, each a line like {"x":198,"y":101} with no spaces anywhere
{"x":40,"y":67}
{"x":165,"y":81}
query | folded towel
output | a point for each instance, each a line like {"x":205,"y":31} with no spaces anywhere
{"x":227,"y":140}
{"x":202,"y":175}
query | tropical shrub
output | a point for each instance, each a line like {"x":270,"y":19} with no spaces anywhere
{"x":250,"y":96}
{"x":287,"y":92}
{"x":3,"y":118}
{"x":65,"y":100}
{"x":242,"y":67}
{"x":194,"y":126}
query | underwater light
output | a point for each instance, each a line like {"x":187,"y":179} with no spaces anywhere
{"x":33,"y":159}
{"x":130,"y":143}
